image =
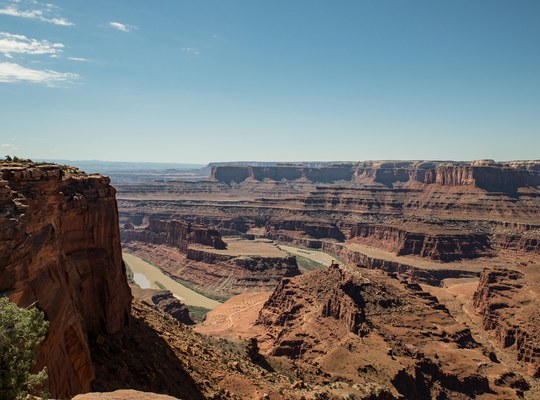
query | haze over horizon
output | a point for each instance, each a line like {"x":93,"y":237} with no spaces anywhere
{"x":196,"y":82}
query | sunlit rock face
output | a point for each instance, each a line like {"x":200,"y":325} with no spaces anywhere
{"x":60,"y":251}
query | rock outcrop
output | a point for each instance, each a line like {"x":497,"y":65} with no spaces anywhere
{"x":60,"y":250}
{"x":164,"y":301}
{"x":431,"y":274}
{"x":124,"y":395}
{"x":519,"y":237}
{"x":178,"y":234}
{"x":157,"y":354}
{"x":511,"y":311}
{"x":355,"y":325}
{"x":443,"y":246}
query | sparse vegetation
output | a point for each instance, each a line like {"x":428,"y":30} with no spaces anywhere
{"x":306,"y":264}
{"x":160,"y":285}
{"x":17,"y":159}
{"x":129,"y":272}
{"x":252,"y":349}
{"x":201,"y":292}
{"x":21,"y":330}
{"x":198,"y":314}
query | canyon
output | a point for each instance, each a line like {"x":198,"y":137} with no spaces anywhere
{"x":431,"y":223}
{"x":371,"y":280}
{"x":197,"y":255}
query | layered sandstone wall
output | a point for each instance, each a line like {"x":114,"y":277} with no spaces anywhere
{"x":174,"y":233}
{"x":448,"y":246}
{"x":519,"y":237}
{"x":164,"y":301}
{"x":527,"y":242}
{"x":317,"y":230}
{"x":510,"y":310}
{"x":237,"y":174}
{"x":430,"y":276}
{"x":60,"y":250}
{"x":485,"y":174}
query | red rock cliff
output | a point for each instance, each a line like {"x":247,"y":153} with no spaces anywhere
{"x":509,"y":309}
{"x":60,"y":250}
{"x":485,"y":174}
{"x":175,"y":234}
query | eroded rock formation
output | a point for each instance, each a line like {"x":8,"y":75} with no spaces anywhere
{"x":357,"y":325}
{"x":164,"y":301}
{"x":510,"y":309}
{"x":433,"y":223}
{"x":441,"y":211}
{"x":484,"y":174}
{"x":178,"y":234}
{"x":157,"y":354}
{"x":123,"y":395}
{"x":60,"y":250}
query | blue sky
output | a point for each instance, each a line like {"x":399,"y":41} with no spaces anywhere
{"x":278,"y":80}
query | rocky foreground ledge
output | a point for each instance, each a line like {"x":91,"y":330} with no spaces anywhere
{"x":123,"y":395}
{"x":60,"y":251}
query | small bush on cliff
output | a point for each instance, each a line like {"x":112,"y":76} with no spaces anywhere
{"x":21,"y":330}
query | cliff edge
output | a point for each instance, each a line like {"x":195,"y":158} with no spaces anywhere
{"x":60,"y":251}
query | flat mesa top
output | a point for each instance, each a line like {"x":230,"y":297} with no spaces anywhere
{"x":241,"y":247}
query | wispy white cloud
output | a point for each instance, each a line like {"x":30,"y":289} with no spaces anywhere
{"x":121,"y":27}
{"x":190,"y":50}
{"x":12,"y":73}
{"x":20,"y":44}
{"x":78,"y":59}
{"x":8,"y":146}
{"x":33,"y":9}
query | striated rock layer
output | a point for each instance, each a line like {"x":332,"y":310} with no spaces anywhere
{"x":60,"y":250}
{"x":509,"y":307}
{"x":176,"y":234}
{"x":485,"y":174}
{"x":441,"y":211}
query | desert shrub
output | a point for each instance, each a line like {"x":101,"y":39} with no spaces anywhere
{"x":252,"y":349}
{"x":21,"y":330}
